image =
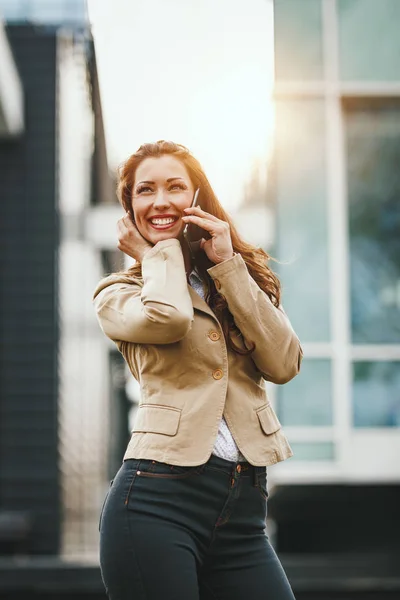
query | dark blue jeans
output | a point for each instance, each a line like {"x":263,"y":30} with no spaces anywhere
{"x":189,"y":533}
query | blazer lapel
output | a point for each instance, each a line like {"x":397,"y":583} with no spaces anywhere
{"x":197,"y":301}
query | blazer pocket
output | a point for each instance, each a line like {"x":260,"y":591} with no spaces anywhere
{"x":153,"y":418}
{"x":268,"y":420}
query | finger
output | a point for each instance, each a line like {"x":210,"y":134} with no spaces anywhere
{"x":200,"y":212}
{"x":203,"y":223}
{"x":197,"y":210}
{"x":126,"y":221}
{"x":121,"y":225}
{"x":122,"y":229}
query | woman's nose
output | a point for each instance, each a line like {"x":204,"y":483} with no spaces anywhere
{"x":161,"y":200}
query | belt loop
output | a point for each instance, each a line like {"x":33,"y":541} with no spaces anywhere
{"x":255,"y":476}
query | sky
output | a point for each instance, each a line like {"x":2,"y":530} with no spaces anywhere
{"x":198,"y":73}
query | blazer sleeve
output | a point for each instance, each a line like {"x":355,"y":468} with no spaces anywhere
{"x":278,"y":352}
{"x":157,"y":310}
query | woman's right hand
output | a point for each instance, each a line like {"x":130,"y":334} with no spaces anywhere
{"x":130,"y":241}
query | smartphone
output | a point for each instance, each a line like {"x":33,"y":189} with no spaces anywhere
{"x":186,"y":228}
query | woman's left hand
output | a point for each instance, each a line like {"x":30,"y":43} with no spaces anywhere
{"x":219,"y":247}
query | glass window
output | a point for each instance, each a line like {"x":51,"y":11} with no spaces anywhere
{"x":307,"y":399}
{"x":373,"y":159}
{"x":12,"y":10}
{"x":302,"y":236}
{"x":369,"y":39}
{"x":52,"y":12}
{"x":298,"y":40}
{"x":43,"y":11}
{"x":376,"y":394}
{"x":313,"y":450}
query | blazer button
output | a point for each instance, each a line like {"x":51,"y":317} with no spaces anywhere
{"x":218,"y":374}
{"x":217,"y":284}
{"x":214,"y":336}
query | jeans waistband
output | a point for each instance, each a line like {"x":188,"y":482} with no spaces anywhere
{"x":229,"y":466}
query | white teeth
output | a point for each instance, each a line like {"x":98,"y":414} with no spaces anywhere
{"x":162,"y":221}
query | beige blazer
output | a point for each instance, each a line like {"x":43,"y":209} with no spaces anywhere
{"x":175,"y":348}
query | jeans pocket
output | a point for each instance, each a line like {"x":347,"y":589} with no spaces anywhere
{"x":261,"y":484}
{"x":104,"y":503}
{"x":159,"y":470}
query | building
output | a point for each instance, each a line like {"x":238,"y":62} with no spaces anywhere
{"x":336,"y":187}
{"x":55,"y":453}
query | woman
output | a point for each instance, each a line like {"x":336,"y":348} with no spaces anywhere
{"x":201,"y":330}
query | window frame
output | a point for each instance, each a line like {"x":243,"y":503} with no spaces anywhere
{"x":349,"y":441}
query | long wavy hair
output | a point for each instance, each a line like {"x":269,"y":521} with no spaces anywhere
{"x":256,"y":259}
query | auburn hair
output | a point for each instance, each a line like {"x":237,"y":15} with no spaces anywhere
{"x":256,"y":259}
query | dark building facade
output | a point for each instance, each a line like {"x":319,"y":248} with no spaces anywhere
{"x":29,"y":237}
{"x":53,"y":155}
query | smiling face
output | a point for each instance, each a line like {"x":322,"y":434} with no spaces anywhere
{"x":161,"y":190}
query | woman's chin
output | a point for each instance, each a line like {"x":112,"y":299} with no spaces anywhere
{"x":158,"y":236}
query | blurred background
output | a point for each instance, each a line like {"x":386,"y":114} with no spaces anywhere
{"x":293,"y":108}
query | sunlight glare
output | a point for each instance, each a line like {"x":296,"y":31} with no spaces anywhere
{"x":231,"y":128}
{"x":201,"y":75}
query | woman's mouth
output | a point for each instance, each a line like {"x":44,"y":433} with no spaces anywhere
{"x":163,"y":222}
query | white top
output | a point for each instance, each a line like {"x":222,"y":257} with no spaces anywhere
{"x":225,"y":446}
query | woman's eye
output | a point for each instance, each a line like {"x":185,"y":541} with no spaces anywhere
{"x":178,"y":186}
{"x":142,"y":189}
